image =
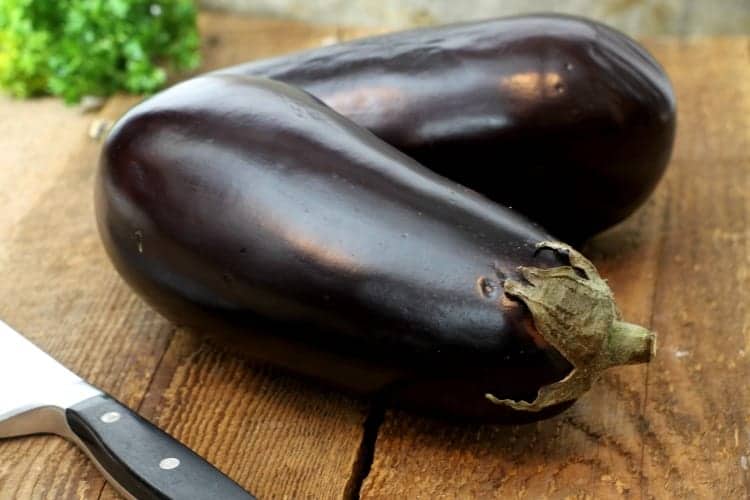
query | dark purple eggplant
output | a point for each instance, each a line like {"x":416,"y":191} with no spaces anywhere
{"x":247,"y":209}
{"x":565,"y":120}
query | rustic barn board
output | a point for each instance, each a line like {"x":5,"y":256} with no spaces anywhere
{"x":675,"y":429}
{"x":679,"y":427}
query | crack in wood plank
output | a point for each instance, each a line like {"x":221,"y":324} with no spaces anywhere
{"x":366,"y":452}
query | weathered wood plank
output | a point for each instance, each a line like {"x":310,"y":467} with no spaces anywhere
{"x":675,"y":429}
{"x":696,"y":434}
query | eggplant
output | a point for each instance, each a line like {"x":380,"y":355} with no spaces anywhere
{"x":247,"y":209}
{"x":564,"y":119}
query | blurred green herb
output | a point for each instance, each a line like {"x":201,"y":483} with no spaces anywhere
{"x":75,"y":48}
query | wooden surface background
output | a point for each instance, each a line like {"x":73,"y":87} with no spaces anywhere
{"x":679,"y":428}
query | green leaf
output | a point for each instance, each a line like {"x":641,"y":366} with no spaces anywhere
{"x":73,"y":48}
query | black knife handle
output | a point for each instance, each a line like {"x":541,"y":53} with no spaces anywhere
{"x":141,"y":459}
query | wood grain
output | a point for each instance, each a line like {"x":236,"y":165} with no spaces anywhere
{"x":679,"y":427}
{"x":58,"y":288}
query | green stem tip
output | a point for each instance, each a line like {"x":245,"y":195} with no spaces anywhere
{"x":629,"y":344}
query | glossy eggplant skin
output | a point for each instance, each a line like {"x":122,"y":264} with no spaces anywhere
{"x":247,"y":209}
{"x":565,"y":120}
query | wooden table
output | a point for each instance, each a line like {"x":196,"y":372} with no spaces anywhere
{"x":679,"y":428}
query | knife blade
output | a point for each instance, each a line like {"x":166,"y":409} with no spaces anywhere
{"x":141,"y":461}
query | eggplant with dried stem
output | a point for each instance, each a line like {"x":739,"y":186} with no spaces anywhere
{"x":249,"y":210}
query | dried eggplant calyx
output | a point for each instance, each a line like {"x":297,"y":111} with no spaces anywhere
{"x":574,"y":310}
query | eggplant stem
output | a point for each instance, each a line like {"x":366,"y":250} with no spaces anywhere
{"x":629,"y":344}
{"x":577,"y":316}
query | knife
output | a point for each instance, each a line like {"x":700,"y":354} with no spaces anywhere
{"x":39,"y":395}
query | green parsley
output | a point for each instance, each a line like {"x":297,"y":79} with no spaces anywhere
{"x":76,"y":48}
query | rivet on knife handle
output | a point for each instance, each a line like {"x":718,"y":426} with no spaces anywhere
{"x":143,"y":460}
